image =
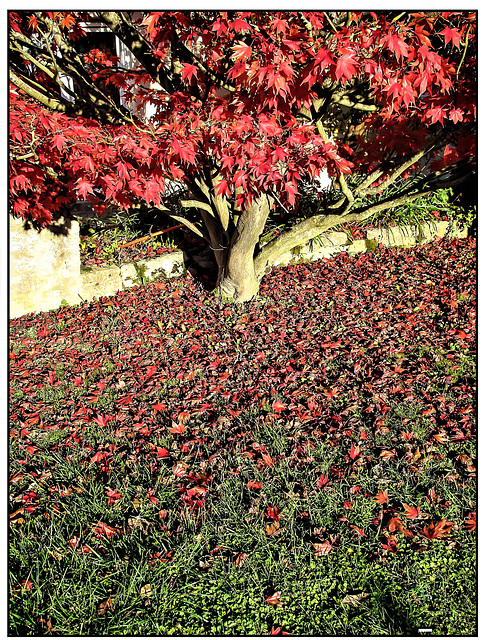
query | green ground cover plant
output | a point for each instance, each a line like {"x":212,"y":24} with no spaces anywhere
{"x":303,"y":463}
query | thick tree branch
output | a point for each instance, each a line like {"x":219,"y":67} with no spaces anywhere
{"x":196,"y":204}
{"x":312,"y":227}
{"x":139,"y":47}
{"x":358,"y":106}
{"x":50,"y":103}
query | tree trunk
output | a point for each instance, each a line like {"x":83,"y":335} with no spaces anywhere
{"x":239,"y":280}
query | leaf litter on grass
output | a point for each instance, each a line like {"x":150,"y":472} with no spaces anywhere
{"x":342,"y":400}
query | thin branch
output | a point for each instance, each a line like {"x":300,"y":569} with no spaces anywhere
{"x":463,"y":53}
{"x":196,"y":204}
{"x":329,"y":20}
{"x":358,"y":106}
{"x":368,"y":181}
{"x":184,"y":221}
{"x":148,"y":237}
{"x":346,"y":190}
{"x":398,"y":171}
{"x":306,"y":24}
{"x":35,"y":61}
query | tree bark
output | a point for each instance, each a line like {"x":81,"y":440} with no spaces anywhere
{"x":239,"y":279}
{"x":312,"y":227}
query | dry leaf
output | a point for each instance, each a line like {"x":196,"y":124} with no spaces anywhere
{"x":416,"y":455}
{"x":274,"y":599}
{"x":323,"y":548}
{"x":139,"y":523}
{"x":354,"y":600}
{"x":57,"y":553}
{"x":146,"y":591}
{"x":105,"y":606}
{"x":16,"y":516}
{"x":240,"y":559}
{"x":180,"y":469}
{"x":274,"y":528}
{"x":205,"y":564}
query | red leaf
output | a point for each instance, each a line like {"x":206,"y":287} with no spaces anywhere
{"x":150,"y":371}
{"x":323,"y":479}
{"x":451,"y":35}
{"x":269,"y":462}
{"x":278,"y":406}
{"x":354,"y":452}
{"x":241,"y":51}
{"x":59,"y":141}
{"x":397,"y":45}
{"x":189,"y":71}
{"x":102,"y":421}
{"x":123,"y":170}
{"x":323,"y":548}
{"x":395,"y":525}
{"x":113,"y":495}
{"x":150,"y":22}
{"x":440,"y":530}
{"x":240,"y":25}
{"x":346,"y":67}
{"x":68,"y":21}
{"x":412,"y":512}
{"x":382,"y":497}
{"x":84,"y":187}
{"x":100,"y":455}
{"x":177,"y":429}
{"x":470,"y":523}
{"x":274,"y":513}
{"x":180,"y":470}
{"x":274,"y":599}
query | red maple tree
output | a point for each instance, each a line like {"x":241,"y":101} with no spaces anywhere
{"x":245,"y":108}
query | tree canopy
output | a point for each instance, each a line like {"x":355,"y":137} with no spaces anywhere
{"x":242,"y":107}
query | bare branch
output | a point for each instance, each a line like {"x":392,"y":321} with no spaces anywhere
{"x":196,"y":204}
{"x":398,"y":171}
{"x":183,"y":220}
{"x":50,"y":103}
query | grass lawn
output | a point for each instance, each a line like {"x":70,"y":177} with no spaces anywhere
{"x":300,"y":464}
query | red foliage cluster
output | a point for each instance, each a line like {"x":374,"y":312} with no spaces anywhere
{"x":328,"y":354}
{"x":235,"y":102}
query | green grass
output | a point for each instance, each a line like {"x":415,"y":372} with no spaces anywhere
{"x":204,"y":588}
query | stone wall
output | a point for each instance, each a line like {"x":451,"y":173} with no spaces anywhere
{"x":45,"y":267}
{"x":331,"y":244}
